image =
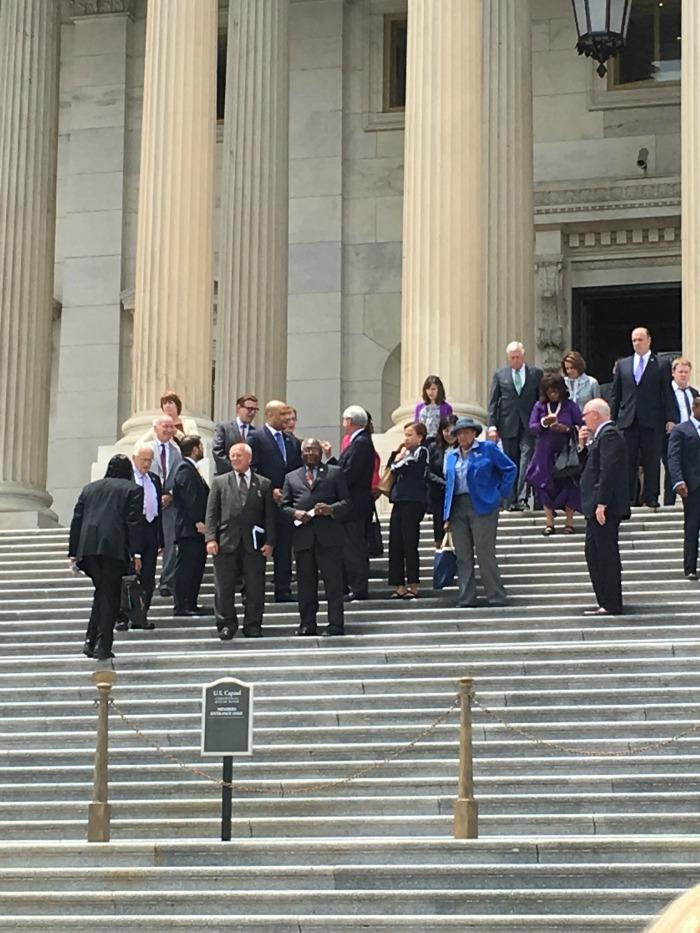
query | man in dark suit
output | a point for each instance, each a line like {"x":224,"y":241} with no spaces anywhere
{"x":241,"y":529}
{"x":166,"y":459}
{"x":105,"y":535}
{"x":316,"y":499}
{"x":643,"y":407}
{"x":514,"y":391}
{"x":684,"y":395}
{"x":238,"y":430}
{"x":357,"y":465}
{"x":606,"y":502}
{"x":275,"y":455}
{"x":190,"y":493}
{"x":684,"y":473}
{"x":151,"y":529}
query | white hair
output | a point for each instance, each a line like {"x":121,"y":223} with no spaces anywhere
{"x":599,"y":405}
{"x":248,"y":448}
{"x":160,"y":418}
{"x":142,"y":446}
{"x":514,"y":345}
{"x":357,"y":415}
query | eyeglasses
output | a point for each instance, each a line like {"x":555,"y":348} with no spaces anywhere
{"x":248,"y":408}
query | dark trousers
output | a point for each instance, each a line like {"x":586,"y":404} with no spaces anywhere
{"x":233,"y":570}
{"x":644,"y":447}
{"x":149,"y":557}
{"x":328,"y":561}
{"x":106,"y":574}
{"x":669,"y":491}
{"x":520,"y":450}
{"x":282,"y":556}
{"x":603,"y":559}
{"x":691,"y":530}
{"x":189,"y":570}
{"x":356,"y":557}
{"x":167,"y":572}
{"x":437,"y":505}
{"x":404,"y":532}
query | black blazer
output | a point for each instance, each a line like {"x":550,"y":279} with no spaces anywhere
{"x":508,"y":411}
{"x":159,"y":519}
{"x":267,"y":457}
{"x":411,"y":479}
{"x":605,"y":477}
{"x":357,"y":464}
{"x":231,"y":524}
{"x":190,"y":494}
{"x":330,"y":487}
{"x":226,"y":434}
{"x":684,"y":456}
{"x":694,"y":394}
{"x":651,"y":403}
{"x":107,"y":520}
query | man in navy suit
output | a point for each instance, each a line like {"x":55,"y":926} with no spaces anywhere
{"x":644,"y":409}
{"x":684,"y":473}
{"x":274,"y":455}
{"x":190,"y":494}
{"x":237,"y":431}
{"x":684,"y":395}
{"x":606,"y":502}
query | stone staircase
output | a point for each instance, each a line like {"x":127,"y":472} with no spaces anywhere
{"x":570,"y":838}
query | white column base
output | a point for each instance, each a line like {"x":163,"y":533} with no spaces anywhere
{"x":135,"y":428}
{"x":22,"y":507}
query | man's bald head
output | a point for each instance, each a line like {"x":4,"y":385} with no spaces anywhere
{"x":240,"y":456}
{"x":595,"y":413}
{"x":276,"y":414}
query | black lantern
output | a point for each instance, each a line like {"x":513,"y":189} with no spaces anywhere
{"x":602,"y":28}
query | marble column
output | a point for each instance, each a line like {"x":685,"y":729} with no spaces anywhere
{"x":510,"y":265}
{"x":251,"y":335}
{"x":29,"y":43}
{"x":443,"y":319}
{"x":690,"y":180}
{"x":174,"y":262}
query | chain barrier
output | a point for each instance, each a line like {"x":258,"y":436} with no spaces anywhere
{"x":297,"y":788}
{"x":570,"y":750}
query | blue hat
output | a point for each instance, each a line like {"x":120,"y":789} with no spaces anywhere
{"x":468,"y":422}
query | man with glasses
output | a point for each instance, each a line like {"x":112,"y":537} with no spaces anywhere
{"x":238,"y":431}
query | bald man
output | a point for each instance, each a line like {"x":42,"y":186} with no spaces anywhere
{"x":275,"y":455}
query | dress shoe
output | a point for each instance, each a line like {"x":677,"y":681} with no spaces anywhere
{"x":103,"y":655}
{"x":148,"y":626}
{"x":517,"y":507}
{"x":355,"y":597}
{"x":202,"y":611}
{"x":165,"y":591}
{"x":497,"y":603}
{"x":284,"y":598}
{"x":691,"y":576}
{"x":654,"y":504}
{"x":253,"y":631}
{"x":122,"y":625}
{"x":226,"y":633}
{"x":88,"y":650}
{"x":306,"y":630}
{"x":185,"y":613}
{"x":465,"y":605}
{"x":332,"y":630}
{"x":600,"y":611}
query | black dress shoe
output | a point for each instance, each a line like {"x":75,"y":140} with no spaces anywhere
{"x":226,"y":633}
{"x":253,"y":631}
{"x":103,"y":656}
{"x":691,"y":576}
{"x":202,"y":611}
{"x":88,"y":650}
{"x":333,"y":630}
{"x":185,"y":613}
{"x":306,"y":630}
{"x":653,"y":504}
{"x":165,"y":591}
{"x":122,"y":625}
{"x":148,"y":626}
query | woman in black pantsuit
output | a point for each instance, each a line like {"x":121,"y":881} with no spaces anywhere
{"x":409,"y":497}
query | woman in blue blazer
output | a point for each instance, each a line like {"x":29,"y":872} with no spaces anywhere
{"x":478,"y":475}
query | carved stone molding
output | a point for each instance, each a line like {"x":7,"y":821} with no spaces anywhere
{"x":551,"y":313}
{"x":94,"y":7}
{"x":608,"y":196}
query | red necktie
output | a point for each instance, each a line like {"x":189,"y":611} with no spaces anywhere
{"x":310,"y":478}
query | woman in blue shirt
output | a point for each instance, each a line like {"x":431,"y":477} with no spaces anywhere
{"x":478,"y":475}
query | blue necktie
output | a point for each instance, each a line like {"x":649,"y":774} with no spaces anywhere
{"x":280,"y":444}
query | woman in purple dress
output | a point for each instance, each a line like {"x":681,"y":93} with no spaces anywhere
{"x":554,"y":418}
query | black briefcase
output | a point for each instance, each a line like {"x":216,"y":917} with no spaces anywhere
{"x":375,"y":545}
{"x":133,"y":600}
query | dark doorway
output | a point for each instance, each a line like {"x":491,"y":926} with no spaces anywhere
{"x":603,"y":317}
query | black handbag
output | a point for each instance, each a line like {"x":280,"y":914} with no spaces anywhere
{"x":133,"y":599}
{"x":375,"y":545}
{"x":567,"y":463}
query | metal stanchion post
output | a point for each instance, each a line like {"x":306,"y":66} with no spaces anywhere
{"x":100,"y":812}
{"x":466,"y":813}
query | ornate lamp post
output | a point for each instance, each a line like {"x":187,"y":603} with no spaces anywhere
{"x":602,"y":28}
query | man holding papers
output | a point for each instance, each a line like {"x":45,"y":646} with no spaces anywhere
{"x":316,"y":500}
{"x":240,"y":535}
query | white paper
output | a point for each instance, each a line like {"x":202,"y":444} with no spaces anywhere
{"x":257,"y":530}
{"x":311,"y":514}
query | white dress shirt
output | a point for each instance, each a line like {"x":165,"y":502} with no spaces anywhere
{"x":681,"y":395}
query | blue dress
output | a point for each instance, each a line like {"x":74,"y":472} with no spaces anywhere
{"x":553,"y":493}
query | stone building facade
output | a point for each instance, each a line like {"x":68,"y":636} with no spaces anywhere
{"x":348,"y":240}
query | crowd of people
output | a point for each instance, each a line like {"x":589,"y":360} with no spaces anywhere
{"x":553,"y":442}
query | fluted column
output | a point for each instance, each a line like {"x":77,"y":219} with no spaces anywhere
{"x":510,"y":276}
{"x":690,"y":180}
{"x":174,"y":258}
{"x":29,"y":39}
{"x":442,"y":285}
{"x":251,"y":337}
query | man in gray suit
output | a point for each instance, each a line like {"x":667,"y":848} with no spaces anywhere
{"x":514,"y":391}
{"x":238,"y":430}
{"x":166,"y":460}
{"x":240,"y":535}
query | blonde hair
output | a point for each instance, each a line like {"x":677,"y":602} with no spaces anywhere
{"x":681,"y":361}
{"x":680,"y":916}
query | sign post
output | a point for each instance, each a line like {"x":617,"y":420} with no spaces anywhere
{"x":227,"y":730}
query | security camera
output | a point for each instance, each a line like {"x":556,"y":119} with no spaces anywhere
{"x":642,"y":159}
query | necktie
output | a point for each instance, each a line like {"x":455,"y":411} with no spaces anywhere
{"x":243,"y":428}
{"x":280,"y":444}
{"x":150,"y":504}
{"x":639,"y":371}
{"x":309,"y":478}
{"x":518,"y":381}
{"x":242,"y":487}
{"x":163,"y":462}
{"x":688,"y":409}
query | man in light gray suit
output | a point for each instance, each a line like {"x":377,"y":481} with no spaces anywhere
{"x":241,"y":525}
{"x":166,"y":459}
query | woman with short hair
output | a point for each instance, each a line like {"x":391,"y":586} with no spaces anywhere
{"x":171,"y":405}
{"x":409,"y":498}
{"x":582,"y":387}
